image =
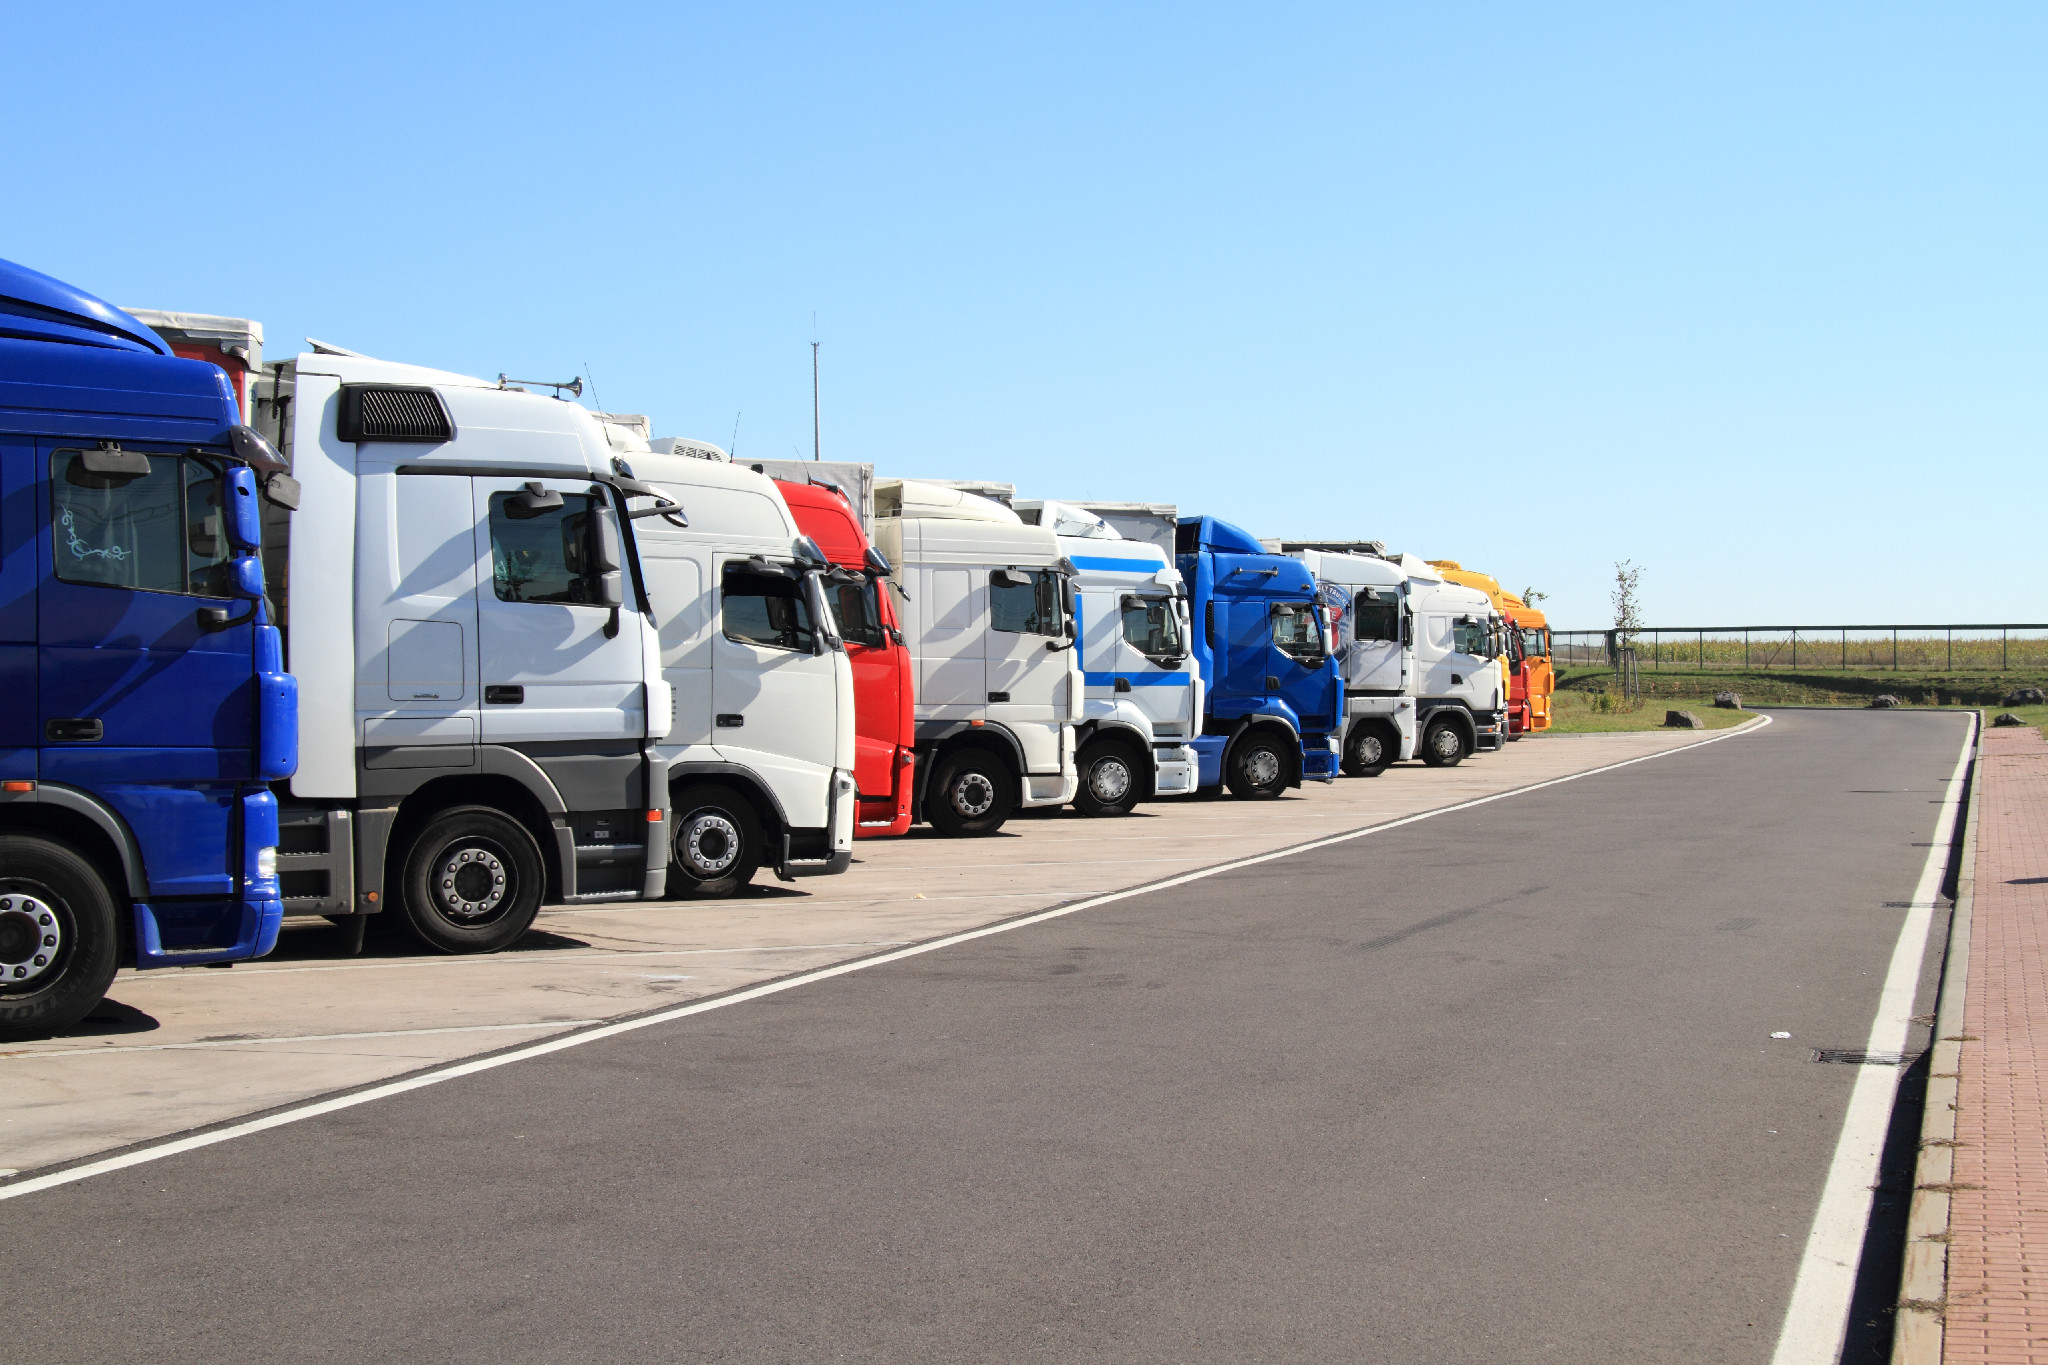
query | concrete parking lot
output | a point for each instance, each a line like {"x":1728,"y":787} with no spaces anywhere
{"x":174,"y":1050}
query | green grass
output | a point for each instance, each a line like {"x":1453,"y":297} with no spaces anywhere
{"x":1814,"y":687}
{"x":1577,"y":713}
{"x":2032,"y":715}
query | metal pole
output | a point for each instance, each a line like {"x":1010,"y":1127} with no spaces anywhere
{"x":1845,"y":648}
{"x":2004,"y":649}
{"x":1895,"y":649}
{"x":1703,"y":651}
{"x":1745,"y":647}
{"x":817,"y":441}
{"x":1951,"y":649}
{"x":1795,"y":646}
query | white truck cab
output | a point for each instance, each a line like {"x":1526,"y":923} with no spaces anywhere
{"x":1461,"y":705}
{"x":1368,"y":600}
{"x":479,"y":679}
{"x":987,"y":609}
{"x":1143,"y":701}
{"x":758,"y":759}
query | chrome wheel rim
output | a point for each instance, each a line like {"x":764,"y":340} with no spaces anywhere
{"x":1262,"y":767}
{"x":471,"y":882}
{"x":973,"y":795}
{"x":1367,"y":750}
{"x":31,"y":936}
{"x":1110,"y":780}
{"x":1446,"y":742}
{"x":710,"y":843}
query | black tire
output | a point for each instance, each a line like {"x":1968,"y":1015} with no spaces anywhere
{"x":54,"y":906}
{"x":1256,"y":768}
{"x":1443,"y":743}
{"x":971,"y":795}
{"x":1112,"y":779}
{"x":1371,"y":746}
{"x":473,"y":881}
{"x":718,"y":845}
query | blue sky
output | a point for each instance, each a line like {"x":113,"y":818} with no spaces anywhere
{"x":1750,"y":294}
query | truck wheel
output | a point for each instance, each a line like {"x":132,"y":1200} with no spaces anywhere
{"x":1369,"y":750}
{"x":1109,"y":780}
{"x":972,"y":794}
{"x":1256,"y":768}
{"x":473,"y":881}
{"x":59,"y":944}
{"x":718,"y":844}
{"x":1443,"y":743}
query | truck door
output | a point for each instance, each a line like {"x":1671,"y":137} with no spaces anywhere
{"x":20,"y":566}
{"x":952,"y":669}
{"x":1372,"y":653}
{"x":877,"y":684}
{"x":1248,"y":670}
{"x":146,"y":697}
{"x":1150,"y":649}
{"x":1026,"y":680}
{"x":773,"y":692}
{"x":555,"y":658}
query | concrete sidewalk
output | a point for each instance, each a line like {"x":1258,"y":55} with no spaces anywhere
{"x":1997,"y":1300}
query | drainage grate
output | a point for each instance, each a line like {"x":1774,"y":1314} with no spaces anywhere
{"x":1856,"y":1056}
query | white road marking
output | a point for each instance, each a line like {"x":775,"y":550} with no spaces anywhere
{"x":317,"y":1108}
{"x":294,"y":1038}
{"x":594,"y":956}
{"x":1817,"y":1318}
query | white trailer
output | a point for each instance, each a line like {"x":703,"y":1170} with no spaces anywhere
{"x":987,"y":609}
{"x":1143,"y":701}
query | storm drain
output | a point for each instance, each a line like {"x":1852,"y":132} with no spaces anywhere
{"x":1856,"y":1056}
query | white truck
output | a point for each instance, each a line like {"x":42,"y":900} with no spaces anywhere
{"x":987,"y":609}
{"x":1418,"y":655}
{"x":1143,"y":701}
{"x":759,"y":755}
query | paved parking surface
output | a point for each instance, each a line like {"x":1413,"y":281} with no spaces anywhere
{"x":178,"y":1049}
{"x":1497,"y":1085}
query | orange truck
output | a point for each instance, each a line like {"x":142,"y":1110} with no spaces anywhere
{"x":1526,"y":660}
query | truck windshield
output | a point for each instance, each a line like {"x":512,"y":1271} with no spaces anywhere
{"x":766,"y":610}
{"x":1298,"y":630}
{"x":1375,"y":615}
{"x":1535,"y":643}
{"x":860,"y":615}
{"x":157,"y":532}
{"x":1025,"y":602}
{"x":1152,"y":626}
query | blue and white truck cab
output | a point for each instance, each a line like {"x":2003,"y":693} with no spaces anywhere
{"x":1143,"y":695}
{"x":1367,"y":596}
{"x":149,"y":709}
{"x":1273,"y":694}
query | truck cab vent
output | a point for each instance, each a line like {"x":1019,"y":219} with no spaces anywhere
{"x":389,"y":412}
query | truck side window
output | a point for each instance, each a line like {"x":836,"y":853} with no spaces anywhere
{"x":543,"y":556}
{"x":1534,"y":645}
{"x":766,"y":610}
{"x":1298,"y":631}
{"x":1152,"y":626}
{"x":1470,"y":637}
{"x":1024,"y":602}
{"x":1375,"y":616}
{"x":860,"y":617}
{"x":155,"y":532}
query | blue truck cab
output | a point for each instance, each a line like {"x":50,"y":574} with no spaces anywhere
{"x":1273,"y":695}
{"x":147,"y":707}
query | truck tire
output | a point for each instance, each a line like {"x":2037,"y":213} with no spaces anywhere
{"x":1111,"y":780}
{"x":1257,"y":767}
{"x":972,"y":795}
{"x":1371,"y":746}
{"x":719,"y":843}
{"x":59,"y":941}
{"x":1443,"y":743}
{"x":473,"y":881}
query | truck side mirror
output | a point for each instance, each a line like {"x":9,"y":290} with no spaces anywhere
{"x":879,"y":562}
{"x":607,"y":554}
{"x":260,"y":455}
{"x":243,"y":515}
{"x":611,"y":589}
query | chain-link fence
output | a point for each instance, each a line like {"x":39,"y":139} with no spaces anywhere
{"x":1902,"y":649}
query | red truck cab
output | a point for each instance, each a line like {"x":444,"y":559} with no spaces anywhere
{"x":884,"y":700}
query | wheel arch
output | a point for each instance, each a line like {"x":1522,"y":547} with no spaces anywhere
{"x":1290,"y":751}
{"x":938,"y":741}
{"x":88,"y":825}
{"x":498,"y":792}
{"x":767,"y":809}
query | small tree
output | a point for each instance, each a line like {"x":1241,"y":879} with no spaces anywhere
{"x":1628,"y":614}
{"x":1532,"y":597}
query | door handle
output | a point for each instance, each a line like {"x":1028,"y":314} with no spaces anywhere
{"x":74,"y":731}
{"x":1456,"y":680}
{"x":730,"y":720}
{"x":1123,"y":684}
{"x":1272,"y":683}
{"x":500,"y":694}
{"x":999,"y":696}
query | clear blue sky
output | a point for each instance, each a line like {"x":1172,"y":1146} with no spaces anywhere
{"x":1751,"y":294}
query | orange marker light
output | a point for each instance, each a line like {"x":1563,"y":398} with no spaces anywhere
{"x":17,"y":786}
{"x":654,"y":817}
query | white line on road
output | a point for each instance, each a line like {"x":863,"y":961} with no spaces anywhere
{"x":1817,"y":1318}
{"x":295,"y":1038}
{"x":595,"y":956}
{"x":175,"y":1146}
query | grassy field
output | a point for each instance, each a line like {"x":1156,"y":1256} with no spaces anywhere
{"x":2032,"y":715}
{"x":1816,"y":687}
{"x":1578,"y":713}
{"x":1969,"y":652}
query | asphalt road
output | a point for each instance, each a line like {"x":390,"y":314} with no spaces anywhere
{"x":1494,"y":1086}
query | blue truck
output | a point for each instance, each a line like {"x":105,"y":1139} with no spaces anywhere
{"x":147,"y":707}
{"x":1273,"y":696}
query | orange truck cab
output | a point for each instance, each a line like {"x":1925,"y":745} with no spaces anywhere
{"x":1526,"y":660}
{"x":884,"y":705}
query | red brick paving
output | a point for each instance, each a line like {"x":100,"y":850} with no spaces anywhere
{"x":1998,"y":1230}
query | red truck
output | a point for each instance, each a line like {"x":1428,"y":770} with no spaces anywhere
{"x":885,"y":720}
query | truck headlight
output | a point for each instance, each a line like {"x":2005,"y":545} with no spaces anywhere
{"x":266,"y":862}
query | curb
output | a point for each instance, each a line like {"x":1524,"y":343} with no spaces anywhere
{"x":1923,"y":1281}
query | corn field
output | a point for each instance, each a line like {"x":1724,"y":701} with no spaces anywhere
{"x":1944,"y":649}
